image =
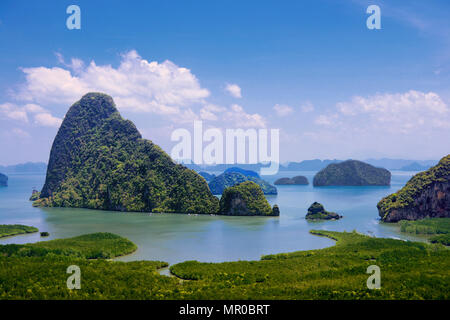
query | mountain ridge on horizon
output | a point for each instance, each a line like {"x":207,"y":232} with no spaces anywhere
{"x":388,"y":163}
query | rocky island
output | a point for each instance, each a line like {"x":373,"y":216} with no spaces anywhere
{"x":298,"y":180}
{"x":99,"y":160}
{"x":425,"y":195}
{"x":3,"y":180}
{"x":246,"y":199}
{"x":317,"y":212}
{"x":352,"y":173}
{"x":230,"y":178}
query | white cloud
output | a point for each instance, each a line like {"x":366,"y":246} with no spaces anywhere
{"x":42,"y":116}
{"x":240,"y":118}
{"x":34,"y":108}
{"x":283,"y":110}
{"x":136,"y":84}
{"x":400,"y":112}
{"x":47,"y":120}
{"x":234,"y":90}
{"x":209,"y":111}
{"x":13,"y":112}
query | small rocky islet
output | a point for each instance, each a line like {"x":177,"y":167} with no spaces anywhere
{"x":246,"y":199}
{"x":317,"y":212}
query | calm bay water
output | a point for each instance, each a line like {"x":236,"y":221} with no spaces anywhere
{"x":178,"y":237}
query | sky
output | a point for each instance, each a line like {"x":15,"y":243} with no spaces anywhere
{"x":312,"y":69}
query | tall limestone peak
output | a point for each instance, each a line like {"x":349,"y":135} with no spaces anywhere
{"x":100,"y":161}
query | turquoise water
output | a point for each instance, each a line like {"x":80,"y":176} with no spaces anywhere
{"x":178,"y":237}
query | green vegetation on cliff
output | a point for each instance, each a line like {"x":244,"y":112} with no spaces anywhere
{"x":352,"y":173}
{"x":99,"y":161}
{"x":426,"y":194}
{"x":410,"y":270}
{"x":229,"y":179}
{"x":317,"y":212}
{"x":245,"y":199}
{"x":3,"y":180}
{"x":7,"y":230}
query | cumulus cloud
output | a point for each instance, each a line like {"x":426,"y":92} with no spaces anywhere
{"x":41,"y":116}
{"x":283,"y":110}
{"x":47,"y":120}
{"x":394,"y":124}
{"x":209,"y":112}
{"x":13,"y":112}
{"x":240,"y":118}
{"x":400,"y":112}
{"x":234,"y":90}
{"x":136,"y":84}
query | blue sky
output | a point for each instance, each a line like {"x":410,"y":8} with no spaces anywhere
{"x":334,"y":88}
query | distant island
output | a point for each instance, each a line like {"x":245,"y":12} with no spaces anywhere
{"x":313,"y":165}
{"x":246,"y":199}
{"x":414,"y":167}
{"x":28,"y":167}
{"x":425,"y":195}
{"x":3,"y":180}
{"x":352,"y":173}
{"x":99,"y":160}
{"x":234,"y":176}
{"x":317,"y":212}
{"x":298,"y":180}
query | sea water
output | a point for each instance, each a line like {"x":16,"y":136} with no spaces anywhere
{"x":180,"y":237}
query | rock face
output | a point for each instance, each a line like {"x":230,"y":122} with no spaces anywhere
{"x":100,"y":161}
{"x":229,"y":179}
{"x":317,"y":212}
{"x":246,"y":199}
{"x":298,"y":180}
{"x":3,"y":180}
{"x":425,"y":195}
{"x":352,"y":173}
